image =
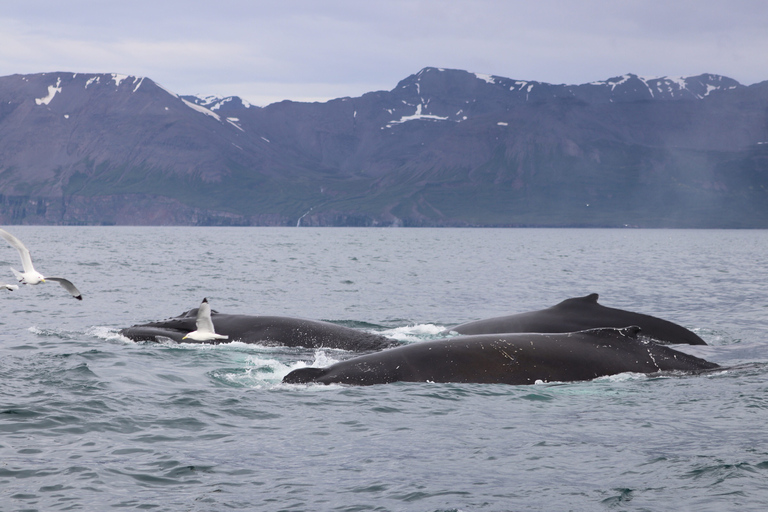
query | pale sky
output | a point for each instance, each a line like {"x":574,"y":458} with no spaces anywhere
{"x":315,"y":50}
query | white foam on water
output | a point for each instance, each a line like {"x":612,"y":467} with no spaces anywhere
{"x":622,"y":377}
{"x":262,"y":372}
{"x":54,"y":333}
{"x":415,"y":333}
{"x":107,"y":334}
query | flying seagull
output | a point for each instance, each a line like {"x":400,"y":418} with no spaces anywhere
{"x":204,"y":325}
{"x":30,"y":275}
{"x":9,"y":286}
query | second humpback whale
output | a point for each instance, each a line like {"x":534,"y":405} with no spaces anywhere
{"x":578,"y":314}
{"x":523,"y":358}
{"x":263,"y":330}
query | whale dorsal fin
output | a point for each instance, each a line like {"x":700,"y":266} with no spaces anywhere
{"x":588,"y":299}
{"x":192,"y":313}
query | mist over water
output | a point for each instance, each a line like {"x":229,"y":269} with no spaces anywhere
{"x":92,"y":421}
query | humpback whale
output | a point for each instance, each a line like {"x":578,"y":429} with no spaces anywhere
{"x":578,"y":314}
{"x":520,"y":358}
{"x":262,"y":330}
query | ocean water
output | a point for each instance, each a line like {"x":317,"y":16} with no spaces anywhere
{"x":92,"y":421}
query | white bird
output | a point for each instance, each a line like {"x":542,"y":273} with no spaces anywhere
{"x":30,"y":275}
{"x":204,"y":325}
{"x":9,"y":286}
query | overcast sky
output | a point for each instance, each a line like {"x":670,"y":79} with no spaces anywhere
{"x":315,"y":50}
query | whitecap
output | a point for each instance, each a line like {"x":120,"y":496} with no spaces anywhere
{"x":54,"y":333}
{"x":107,"y":334}
{"x":415,"y":333}
{"x":261,"y":371}
{"x":622,"y":377}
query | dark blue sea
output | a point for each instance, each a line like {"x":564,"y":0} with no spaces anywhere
{"x":92,"y":421}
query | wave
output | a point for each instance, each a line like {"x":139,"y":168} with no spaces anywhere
{"x":264,"y":372}
{"x":415,"y":333}
{"x":55,"y":333}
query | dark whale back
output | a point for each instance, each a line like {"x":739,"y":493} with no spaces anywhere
{"x":264,"y":330}
{"x":578,"y":314}
{"x":508,"y":359}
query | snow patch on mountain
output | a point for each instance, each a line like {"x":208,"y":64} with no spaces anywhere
{"x":233,"y":121}
{"x":485,"y":78}
{"x":52,"y":90}
{"x":666,"y":87}
{"x":613,"y":82}
{"x":168,"y":91}
{"x":118,"y":78}
{"x":417,"y":116}
{"x":213,"y":102}
{"x":201,"y":109}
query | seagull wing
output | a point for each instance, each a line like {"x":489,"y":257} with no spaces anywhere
{"x":67,"y":284}
{"x":26,"y":259}
{"x":204,"y":322}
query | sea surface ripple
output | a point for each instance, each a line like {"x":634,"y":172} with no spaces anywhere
{"x":92,"y":421}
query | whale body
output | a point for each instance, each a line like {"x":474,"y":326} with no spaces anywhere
{"x":578,"y":314}
{"x":522,"y":358}
{"x":263,"y":330}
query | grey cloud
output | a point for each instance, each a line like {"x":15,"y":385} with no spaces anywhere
{"x":305,"y":45}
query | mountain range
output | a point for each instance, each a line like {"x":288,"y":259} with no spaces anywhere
{"x":443,"y":148}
